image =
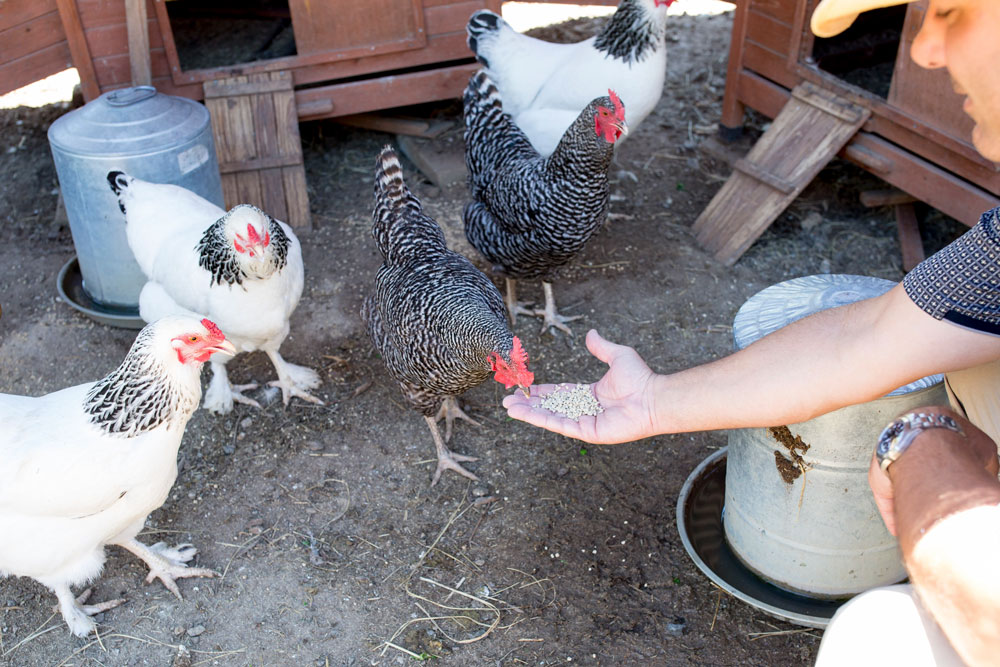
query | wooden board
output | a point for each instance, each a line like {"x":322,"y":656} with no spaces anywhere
{"x":256,"y":131}
{"x":808,"y":132}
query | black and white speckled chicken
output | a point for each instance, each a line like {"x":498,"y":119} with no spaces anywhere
{"x":529,"y":214}
{"x":437,"y":321}
{"x":544,"y":84}
{"x":84,"y":466}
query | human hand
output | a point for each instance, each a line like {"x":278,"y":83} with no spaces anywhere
{"x":625,"y":393}
{"x":979,"y":446}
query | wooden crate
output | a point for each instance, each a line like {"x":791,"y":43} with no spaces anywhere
{"x":256,"y":133}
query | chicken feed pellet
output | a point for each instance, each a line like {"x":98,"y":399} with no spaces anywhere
{"x":573,"y":403}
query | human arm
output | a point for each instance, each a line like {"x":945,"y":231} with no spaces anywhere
{"x":833,"y":358}
{"x":941,"y":498}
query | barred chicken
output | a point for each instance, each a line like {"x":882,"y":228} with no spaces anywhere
{"x":437,"y":321}
{"x":544,"y":85}
{"x":242,"y":269}
{"x":83,"y":467}
{"x":529,"y":214}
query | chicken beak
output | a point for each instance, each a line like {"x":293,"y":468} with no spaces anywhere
{"x":622,"y":127}
{"x":525,"y":390}
{"x":225,"y":347}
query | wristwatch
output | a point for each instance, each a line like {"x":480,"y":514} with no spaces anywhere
{"x":898,"y":435}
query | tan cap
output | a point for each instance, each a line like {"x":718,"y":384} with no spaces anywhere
{"x":835,"y":16}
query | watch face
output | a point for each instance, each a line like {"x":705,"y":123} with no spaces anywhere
{"x":890,"y":433}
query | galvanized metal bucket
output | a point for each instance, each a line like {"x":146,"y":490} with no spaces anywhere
{"x":155,"y":137}
{"x":798,"y":509}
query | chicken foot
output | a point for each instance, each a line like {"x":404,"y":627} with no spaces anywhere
{"x":167,"y":563}
{"x":447,"y":459}
{"x":77,"y":614}
{"x":293,"y":379}
{"x":515,"y":307}
{"x":551,"y":316}
{"x":450,"y":411}
{"x":220,"y":395}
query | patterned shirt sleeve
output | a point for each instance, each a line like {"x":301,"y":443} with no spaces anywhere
{"x":961,"y":282}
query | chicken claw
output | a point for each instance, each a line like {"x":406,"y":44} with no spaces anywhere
{"x":450,"y":411}
{"x":77,"y":614}
{"x":167,"y":563}
{"x":551,"y":316}
{"x":293,"y":380}
{"x":447,"y":459}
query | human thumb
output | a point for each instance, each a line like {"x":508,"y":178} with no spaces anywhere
{"x":603,"y":349}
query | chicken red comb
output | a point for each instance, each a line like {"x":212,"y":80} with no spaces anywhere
{"x":252,"y":235}
{"x":619,"y":107}
{"x":518,"y":356}
{"x":213,"y":330}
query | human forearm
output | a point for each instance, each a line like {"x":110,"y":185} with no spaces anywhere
{"x":948,"y":523}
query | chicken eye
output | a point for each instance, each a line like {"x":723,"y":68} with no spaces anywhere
{"x":193,"y":339}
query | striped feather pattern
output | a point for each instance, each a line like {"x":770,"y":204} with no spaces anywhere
{"x":434,"y":317}
{"x":530,"y":215}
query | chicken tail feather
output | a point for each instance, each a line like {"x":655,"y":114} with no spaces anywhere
{"x":119,"y":180}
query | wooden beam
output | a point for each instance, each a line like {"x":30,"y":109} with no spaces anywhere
{"x":78,"y":48}
{"x":911,"y":246}
{"x":137,"y":25}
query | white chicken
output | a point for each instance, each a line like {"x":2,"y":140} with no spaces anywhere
{"x":83,"y":467}
{"x":242,"y":269}
{"x":545,"y":85}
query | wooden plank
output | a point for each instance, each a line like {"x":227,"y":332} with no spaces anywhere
{"x":450,"y":18}
{"x":781,"y":10}
{"x":78,"y":49}
{"x":354,"y":97}
{"x":258,"y":145}
{"x":35,"y":66}
{"x":733,"y":110}
{"x":911,"y":246}
{"x":769,"y":33}
{"x":800,"y":141}
{"x":950,"y":194}
{"x":31,"y":36}
{"x":891,"y":197}
{"x":16,"y":12}
{"x":770,"y":64}
{"x":137,"y":28}
{"x":356,"y":28}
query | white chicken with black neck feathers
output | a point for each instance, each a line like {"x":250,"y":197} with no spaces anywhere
{"x":242,"y":269}
{"x":544,"y":85}
{"x":83,"y":467}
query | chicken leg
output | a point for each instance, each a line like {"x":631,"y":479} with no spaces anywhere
{"x":166,"y":563}
{"x":77,"y":614}
{"x":293,"y":380}
{"x":450,"y":411}
{"x":220,"y":395}
{"x":551,"y":316}
{"x":447,"y":459}
{"x":515,"y":307}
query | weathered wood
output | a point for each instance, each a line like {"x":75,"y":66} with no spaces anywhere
{"x":891,"y":197}
{"x":359,"y":96}
{"x":733,"y":110}
{"x":35,"y":66}
{"x":412,"y":127}
{"x":258,"y":146}
{"x":78,"y":48}
{"x":911,"y":246}
{"x":357,"y":27}
{"x":138,"y":42}
{"x":800,"y":141}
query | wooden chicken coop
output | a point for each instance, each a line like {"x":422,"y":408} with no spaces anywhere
{"x":858,"y":95}
{"x":344,"y":56}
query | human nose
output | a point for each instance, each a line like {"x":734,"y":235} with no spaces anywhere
{"x":927,"y":49}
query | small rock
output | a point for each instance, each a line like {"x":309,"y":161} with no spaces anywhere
{"x":678,"y":627}
{"x":196,"y":630}
{"x":245,"y":423}
{"x":479,"y":490}
{"x":811,"y":221}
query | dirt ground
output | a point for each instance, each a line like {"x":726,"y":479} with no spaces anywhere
{"x":332,"y":546}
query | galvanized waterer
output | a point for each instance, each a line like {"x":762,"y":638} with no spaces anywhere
{"x":798,"y":510}
{"x":149,"y":135}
